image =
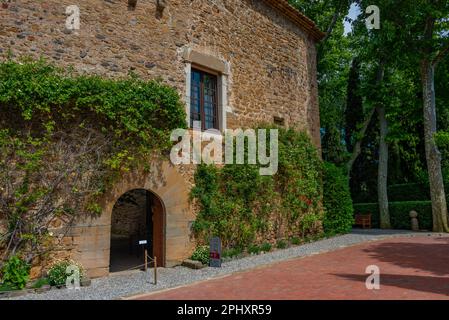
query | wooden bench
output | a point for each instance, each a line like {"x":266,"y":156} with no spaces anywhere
{"x":363,"y":220}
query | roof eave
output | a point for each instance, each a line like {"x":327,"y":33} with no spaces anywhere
{"x":298,"y":18}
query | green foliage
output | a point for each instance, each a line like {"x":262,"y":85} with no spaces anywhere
{"x":295,"y":241}
{"x":399,"y":213}
{"x":254,"y":249}
{"x":7,"y":287}
{"x":281,"y":244}
{"x":354,"y":114}
{"x":265,"y":247}
{"x":411,"y":32}
{"x":408,"y":192}
{"x":201,"y":254}
{"x":236,"y":202}
{"x":40,"y":283}
{"x":299,"y":180}
{"x":231,"y":252}
{"x":84,"y":130}
{"x":15,"y":272}
{"x":136,"y":111}
{"x":138,"y":114}
{"x":442,"y":139}
{"x":57,"y":274}
{"x":417,"y":191}
{"x":338,"y":217}
{"x":334,"y":58}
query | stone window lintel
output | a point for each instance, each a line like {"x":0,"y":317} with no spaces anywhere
{"x":205,"y":60}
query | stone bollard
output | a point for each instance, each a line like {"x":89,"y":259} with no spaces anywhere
{"x":414,"y":221}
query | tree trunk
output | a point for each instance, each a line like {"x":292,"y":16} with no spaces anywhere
{"x":433,"y":156}
{"x":382,"y":175}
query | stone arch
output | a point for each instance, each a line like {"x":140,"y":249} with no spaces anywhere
{"x":92,"y":237}
{"x":138,"y":214}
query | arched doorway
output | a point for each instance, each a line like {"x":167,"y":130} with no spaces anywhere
{"x":92,"y":235}
{"x":138,"y":215}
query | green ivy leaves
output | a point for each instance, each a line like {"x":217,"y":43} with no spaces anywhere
{"x":66,"y":137}
{"x":239,"y":205}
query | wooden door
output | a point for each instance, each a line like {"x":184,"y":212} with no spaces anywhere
{"x":158,"y":231}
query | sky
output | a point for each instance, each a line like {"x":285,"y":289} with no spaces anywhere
{"x":354,"y":12}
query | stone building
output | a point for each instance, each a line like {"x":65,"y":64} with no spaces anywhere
{"x":234,"y":62}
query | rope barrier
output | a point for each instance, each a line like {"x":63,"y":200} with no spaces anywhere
{"x":145,"y":265}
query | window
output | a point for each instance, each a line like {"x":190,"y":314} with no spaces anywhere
{"x":204,"y":100}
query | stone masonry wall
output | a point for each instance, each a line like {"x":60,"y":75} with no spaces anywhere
{"x":129,"y":217}
{"x":272,"y":62}
{"x":272,"y":73}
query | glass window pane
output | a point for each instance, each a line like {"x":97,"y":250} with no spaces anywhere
{"x":203,"y":99}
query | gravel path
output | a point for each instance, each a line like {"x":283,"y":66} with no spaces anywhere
{"x":138,"y":282}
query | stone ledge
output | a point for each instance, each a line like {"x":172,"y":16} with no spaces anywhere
{"x":192,"y":264}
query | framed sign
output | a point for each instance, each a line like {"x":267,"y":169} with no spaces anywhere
{"x":215,"y":253}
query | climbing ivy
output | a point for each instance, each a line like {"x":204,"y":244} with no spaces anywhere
{"x":64,"y":137}
{"x":242,"y":207}
{"x":46,"y":97}
{"x":337,"y":202}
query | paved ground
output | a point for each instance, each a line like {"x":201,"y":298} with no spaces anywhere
{"x":124,"y":285}
{"x":410,"y":268}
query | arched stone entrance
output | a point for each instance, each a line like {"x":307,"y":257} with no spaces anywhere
{"x":137,"y":216}
{"x":92,"y":237}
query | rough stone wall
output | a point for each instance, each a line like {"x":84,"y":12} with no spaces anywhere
{"x":272,"y":73}
{"x":129,"y":217}
{"x":272,"y":62}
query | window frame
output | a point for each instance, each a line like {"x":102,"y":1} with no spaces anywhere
{"x":215,"y":99}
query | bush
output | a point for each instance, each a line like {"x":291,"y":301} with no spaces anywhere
{"x":40,"y":283}
{"x":265,"y":247}
{"x":337,"y":202}
{"x":399,"y":213}
{"x":201,"y":254}
{"x":15,"y":273}
{"x":281,"y":244}
{"x":295,"y":241}
{"x":254,"y":249}
{"x":231,"y":252}
{"x":408,"y":192}
{"x":57,"y":274}
{"x":418,"y":191}
{"x":7,"y":287}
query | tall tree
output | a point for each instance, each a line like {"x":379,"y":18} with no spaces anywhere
{"x":382,"y":174}
{"x":420,"y":30}
{"x":374,"y":53}
{"x":354,"y":105}
{"x":433,"y":51}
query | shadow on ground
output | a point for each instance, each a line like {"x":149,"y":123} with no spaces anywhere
{"x":428,"y":257}
{"x":431,"y":258}
{"x":437,"y":285}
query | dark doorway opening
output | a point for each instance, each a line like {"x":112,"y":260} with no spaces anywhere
{"x":137,"y":216}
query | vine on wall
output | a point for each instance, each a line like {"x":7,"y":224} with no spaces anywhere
{"x":243,"y":207}
{"x":64,"y":138}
